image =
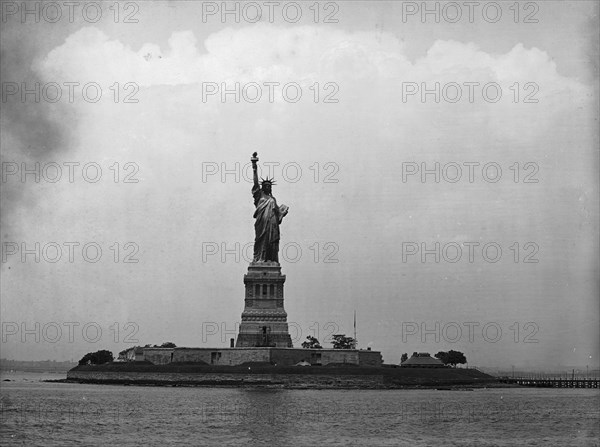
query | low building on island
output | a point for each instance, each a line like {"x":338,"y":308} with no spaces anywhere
{"x":422,"y":360}
{"x":134,"y":354}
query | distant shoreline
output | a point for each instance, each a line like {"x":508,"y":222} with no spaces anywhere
{"x":34,"y":370}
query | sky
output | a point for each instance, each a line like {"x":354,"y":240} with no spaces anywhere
{"x":441,"y":172}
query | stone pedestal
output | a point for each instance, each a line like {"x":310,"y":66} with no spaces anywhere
{"x":264,"y":321}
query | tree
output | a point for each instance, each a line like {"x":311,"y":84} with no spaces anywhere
{"x":167,"y":344}
{"x":443,"y":356}
{"x":404,"y":358}
{"x":312,"y":343}
{"x":451,"y":357}
{"x":340,"y":341}
{"x":456,"y":358}
{"x":97,"y":358}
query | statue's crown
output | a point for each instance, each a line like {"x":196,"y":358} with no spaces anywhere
{"x":267,"y":181}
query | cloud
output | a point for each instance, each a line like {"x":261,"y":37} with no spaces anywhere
{"x":263,"y":52}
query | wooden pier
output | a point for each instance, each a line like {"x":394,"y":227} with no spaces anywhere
{"x":551,"y":382}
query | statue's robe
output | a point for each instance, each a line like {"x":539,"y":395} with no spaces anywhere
{"x":266,"y":226}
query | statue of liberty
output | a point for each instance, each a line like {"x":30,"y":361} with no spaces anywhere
{"x":268,"y":217}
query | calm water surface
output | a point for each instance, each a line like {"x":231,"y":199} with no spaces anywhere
{"x":56,"y":414}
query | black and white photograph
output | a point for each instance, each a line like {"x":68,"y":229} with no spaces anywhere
{"x":300,"y":223}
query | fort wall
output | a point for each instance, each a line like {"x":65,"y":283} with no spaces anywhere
{"x":279,"y":356}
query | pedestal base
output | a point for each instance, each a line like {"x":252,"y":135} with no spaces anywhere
{"x":264,"y":320}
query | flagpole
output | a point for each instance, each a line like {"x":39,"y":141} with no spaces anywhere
{"x":355,"y":325}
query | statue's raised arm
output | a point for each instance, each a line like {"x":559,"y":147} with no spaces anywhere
{"x":254,"y":160}
{"x":268,"y":216}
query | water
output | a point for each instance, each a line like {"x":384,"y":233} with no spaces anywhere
{"x":53,"y":414}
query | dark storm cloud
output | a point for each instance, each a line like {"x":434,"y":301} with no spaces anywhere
{"x":33,"y":130}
